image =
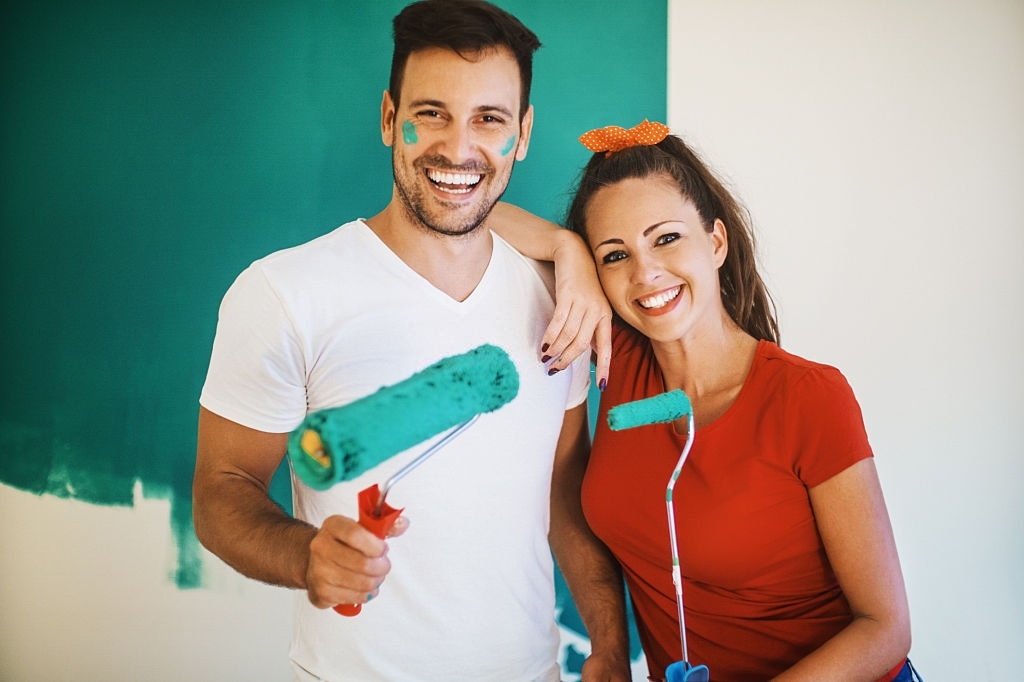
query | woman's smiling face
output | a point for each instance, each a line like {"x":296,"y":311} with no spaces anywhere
{"x":656,"y":261}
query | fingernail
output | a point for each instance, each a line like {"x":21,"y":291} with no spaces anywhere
{"x":602,"y":384}
{"x":545,"y":358}
{"x":369,"y":596}
{"x":553,"y":371}
{"x":544,"y":347}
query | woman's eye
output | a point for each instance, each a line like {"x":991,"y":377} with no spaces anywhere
{"x":666,"y":238}
{"x":613,"y":256}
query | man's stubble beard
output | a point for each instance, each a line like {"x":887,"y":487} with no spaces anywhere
{"x":414,"y":202}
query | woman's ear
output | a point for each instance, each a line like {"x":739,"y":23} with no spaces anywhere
{"x":720,"y":242}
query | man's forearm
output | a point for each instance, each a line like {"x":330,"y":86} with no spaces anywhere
{"x":236,"y":520}
{"x":595,"y":582}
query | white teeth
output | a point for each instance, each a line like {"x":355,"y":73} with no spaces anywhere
{"x":454,"y":178}
{"x":659,"y":300}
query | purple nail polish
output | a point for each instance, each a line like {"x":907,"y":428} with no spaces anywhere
{"x":553,"y":371}
{"x":544,"y":347}
{"x":545,"y":358}
{"x":602,"y":384}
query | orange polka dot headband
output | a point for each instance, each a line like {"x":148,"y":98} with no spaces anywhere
{"x":611,"y":139}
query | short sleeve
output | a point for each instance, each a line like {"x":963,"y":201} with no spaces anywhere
{"x":257,"y":372}
{"x":579,"y":389}
{"x":829,"y":433}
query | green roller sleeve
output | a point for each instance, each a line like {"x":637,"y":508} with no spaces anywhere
{"x":341,"y":443}
{"x":665,"y":407}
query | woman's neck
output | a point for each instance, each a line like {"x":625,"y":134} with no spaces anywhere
{"x":710,"y":368}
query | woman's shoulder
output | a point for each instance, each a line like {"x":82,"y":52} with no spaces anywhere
{"x":779,"y":367}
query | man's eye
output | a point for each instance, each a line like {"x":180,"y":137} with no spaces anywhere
{"x":613,"y":256}
{"x":428,"y":116}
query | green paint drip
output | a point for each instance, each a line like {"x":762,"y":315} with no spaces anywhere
{"x":40,"y":462}
{"x":509,"y":146}
{"x":409,"y":135}
{"x":188,"y":573}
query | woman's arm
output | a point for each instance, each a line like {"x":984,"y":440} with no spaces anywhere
{"x":854,"y":527}
{"x":590,"y":571}
{"x":582,"y":317}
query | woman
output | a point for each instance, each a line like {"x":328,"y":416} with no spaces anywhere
{"x":789,"y":566}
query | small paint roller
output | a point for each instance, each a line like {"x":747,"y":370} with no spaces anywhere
{"x":341,"y":443}
{"x":659,"y":409}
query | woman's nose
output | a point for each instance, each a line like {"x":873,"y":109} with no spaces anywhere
{"x":646,"y":268}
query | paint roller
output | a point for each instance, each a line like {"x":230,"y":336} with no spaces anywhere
{"x":659,"y":409}
{"x":341,"y":443}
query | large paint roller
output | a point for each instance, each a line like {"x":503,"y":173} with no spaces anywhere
{"x":659,"y":409}
{"x":341,"y":443}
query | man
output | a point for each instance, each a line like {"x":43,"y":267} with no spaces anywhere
{"x":468,"y":591}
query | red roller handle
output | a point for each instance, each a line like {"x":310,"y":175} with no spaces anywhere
{"x":378,"y":524}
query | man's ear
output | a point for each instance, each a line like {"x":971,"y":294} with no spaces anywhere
{"x":525,"y":128}
{"x":387,"y":120}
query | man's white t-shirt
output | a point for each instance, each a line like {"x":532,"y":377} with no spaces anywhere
{"x":470,"y":594}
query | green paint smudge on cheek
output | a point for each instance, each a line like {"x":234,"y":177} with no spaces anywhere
{"x":409,"y":135}
{"x":509,"y":146}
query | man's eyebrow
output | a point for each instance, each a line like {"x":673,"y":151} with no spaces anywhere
{"x":494,"y":107}
{"x":427,"y":103}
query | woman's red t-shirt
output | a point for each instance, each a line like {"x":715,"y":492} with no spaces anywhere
{"x":758,"y":589}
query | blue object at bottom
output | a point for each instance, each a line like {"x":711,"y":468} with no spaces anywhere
{"x":908,"y":673}
{"x":681,"y":671}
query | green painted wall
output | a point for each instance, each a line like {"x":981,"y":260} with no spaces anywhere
{"x":152,"y":150}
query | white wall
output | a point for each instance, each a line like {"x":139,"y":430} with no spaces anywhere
{"x":88,"y":595}
{"x":880,"y":148}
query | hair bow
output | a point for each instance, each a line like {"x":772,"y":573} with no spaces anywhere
{"x":611,"y":139}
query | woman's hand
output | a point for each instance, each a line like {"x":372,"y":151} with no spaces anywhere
{"x":582,"y":319}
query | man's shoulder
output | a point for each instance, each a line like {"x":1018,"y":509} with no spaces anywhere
{"x":303,"y":267}
{"x":322,"y":244}
{"x":544,"y":270}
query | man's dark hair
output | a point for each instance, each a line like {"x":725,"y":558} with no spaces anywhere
{"x":466,"y":27}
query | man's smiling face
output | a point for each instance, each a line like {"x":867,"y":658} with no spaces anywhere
{"x":455,"y":136}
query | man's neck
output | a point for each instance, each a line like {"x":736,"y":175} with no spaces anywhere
{"x":453,"y":264}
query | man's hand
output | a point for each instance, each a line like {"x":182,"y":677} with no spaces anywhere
{"x":606,"y":668}
{"x":347,"y":563}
